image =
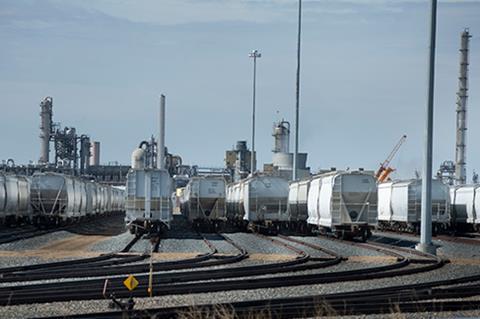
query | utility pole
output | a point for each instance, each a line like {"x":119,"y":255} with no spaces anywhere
{"x":425,"y":244}
{"x":254,"y":54}
{"x":297,"y":92}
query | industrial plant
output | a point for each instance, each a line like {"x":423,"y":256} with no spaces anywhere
{"x":161,"y":237}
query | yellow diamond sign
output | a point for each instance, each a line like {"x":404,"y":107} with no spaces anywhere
{"x":131,"y":282}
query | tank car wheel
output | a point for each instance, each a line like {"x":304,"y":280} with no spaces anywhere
{"x":365,"y":235}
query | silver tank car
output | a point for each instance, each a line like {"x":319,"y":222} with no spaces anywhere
{"x":148,"y":203}
{"x":204,"y":199}
{"x":260,"y":199}
{"x":399,"y":205}
{"x":343,"y":203}
{"x":465,"y":204}
{"x":14,"y":198}
{"x":56,"y":197}
{"x":298,"y":200}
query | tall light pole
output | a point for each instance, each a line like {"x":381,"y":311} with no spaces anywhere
{"x":425,"y":244}
{"x":297,"y":92}
{"x":254,"y":54}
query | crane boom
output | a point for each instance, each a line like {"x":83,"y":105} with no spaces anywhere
{"x":384,"y":166}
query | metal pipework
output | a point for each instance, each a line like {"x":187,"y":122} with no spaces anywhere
{"x":161,"y":135}
{"x":254,"y":54}
{"x":297,"y":91}
{"x":46,"y":114}
{"x":462,"y":95}
{"x":425,"y":244}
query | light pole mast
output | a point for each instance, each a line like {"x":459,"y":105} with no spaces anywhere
{"x":425,"y":244}
{"x":297,"y":92}
{"x":254,"y":54}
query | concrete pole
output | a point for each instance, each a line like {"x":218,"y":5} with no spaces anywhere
{"x":297,"y":92}
{"x":254,"y":54}
{"x":161,"y":135}
{"x":425,"y":244}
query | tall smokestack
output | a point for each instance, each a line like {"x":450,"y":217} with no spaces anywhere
{"x":46,"y":113}
{"x":462,"y":94}
{"x":161,"y":135}
{"x":95,"y":154}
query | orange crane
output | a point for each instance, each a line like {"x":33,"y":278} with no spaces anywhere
{"x":385,"y":170}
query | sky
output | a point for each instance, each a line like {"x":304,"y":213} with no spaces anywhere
{"x":363,"y":76}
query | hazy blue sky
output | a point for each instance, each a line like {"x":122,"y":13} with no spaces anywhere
{"x":105,"y":62}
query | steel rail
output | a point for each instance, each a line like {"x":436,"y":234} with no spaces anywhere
{"x":381,"y":300}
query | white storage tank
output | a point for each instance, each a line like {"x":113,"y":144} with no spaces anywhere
{"x":399,"y":205}
{"x":344,"y":203}
{"x":298,"y":200}
{"x":148,"y":202}
{"x":204,"y":199}
{"x":465,"y":203}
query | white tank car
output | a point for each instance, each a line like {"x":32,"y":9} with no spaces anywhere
{"x":204,"y":199}
{"x":148,"y":203}
{"x":399,"y":205}
{"x":465,"y":204}
{"x":261,"y":199}
{"x":298,"y":200}
{"x":344,"y":203}
{"x":14,"y":198}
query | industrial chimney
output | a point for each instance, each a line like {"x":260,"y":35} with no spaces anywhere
{"x":161,"y":135}
{"x":95,"y":154}
{"x":462,"y":94}
{"x":46,"y":113}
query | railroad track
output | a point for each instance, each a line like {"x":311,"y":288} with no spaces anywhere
{"x":441,"y":295}
{"x":195,"y":281}
{"x":112,"y":264}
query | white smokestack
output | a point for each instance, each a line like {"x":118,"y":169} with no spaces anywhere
{"x":161,"y":135}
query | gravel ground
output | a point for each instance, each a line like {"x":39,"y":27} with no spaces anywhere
{"x":35,"y":242}
{"x":63,"y":308}
{"x":444,"y":248}
{"x":257,"y":245}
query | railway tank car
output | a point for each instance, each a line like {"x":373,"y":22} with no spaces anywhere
{"x":465,"y":207}
{"x":148,"y":203}
{"x":399,"y":205}
{"x":259,"y":201}
{"x":343,"y":203}
{"x":204,"y":201}
{"x":298,"y":203}
{"x":14,"y":199}
{"x":57,"y":198}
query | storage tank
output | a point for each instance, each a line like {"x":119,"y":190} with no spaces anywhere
{"x":344,"y":203}
{"x":465,"y":203}
{"x":399,"y":205}
{"x":148,"y":203}
{"x":205,"y":199}
{"x":298,"y":200}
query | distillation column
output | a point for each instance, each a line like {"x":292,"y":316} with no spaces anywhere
{"x":462,"y":94}
{"x":46,"y":114}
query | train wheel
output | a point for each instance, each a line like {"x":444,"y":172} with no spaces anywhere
{"x":365,"y":235}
